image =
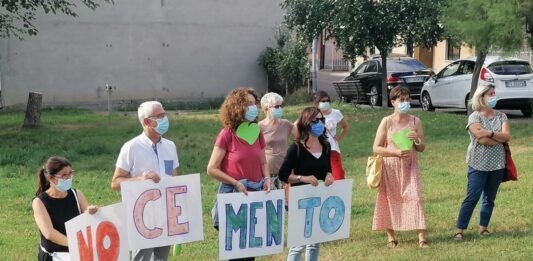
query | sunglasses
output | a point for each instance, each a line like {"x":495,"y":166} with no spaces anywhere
{"x":322,"y":119}
{"x":326,"y":100}
{"x":276,"y":106}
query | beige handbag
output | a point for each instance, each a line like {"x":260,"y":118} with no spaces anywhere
{"x":374,"y":168}
{"x":374,"y":165}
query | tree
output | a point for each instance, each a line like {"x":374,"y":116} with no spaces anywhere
{"x":360,"y":24}
{"x":484,"y":25}
{"x":17,"y":16}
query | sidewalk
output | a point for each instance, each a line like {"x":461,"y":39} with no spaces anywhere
{"x":325,"y":78}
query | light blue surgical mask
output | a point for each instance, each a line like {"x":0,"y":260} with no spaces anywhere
{"x":324,"y":106}
{"x":64,"y":184}
{"x":251,"y":113}
{"x":404,"y":107}
{"x":317,"y":129}
{"x":491,"y":102}
{"x":277,"y":113}
{"x":162,"y":125}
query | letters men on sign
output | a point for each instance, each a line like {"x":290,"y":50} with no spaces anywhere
{"x":250,"y":225}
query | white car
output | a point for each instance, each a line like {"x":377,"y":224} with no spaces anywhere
{"x":450,"y":88}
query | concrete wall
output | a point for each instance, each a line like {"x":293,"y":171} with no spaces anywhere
{"x":147,"y":49}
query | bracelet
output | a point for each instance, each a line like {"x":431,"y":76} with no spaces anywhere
{"x":266,"y":178}
{"x":418,"y":143}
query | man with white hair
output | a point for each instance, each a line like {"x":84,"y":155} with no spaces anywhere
{"x":148,"y":156}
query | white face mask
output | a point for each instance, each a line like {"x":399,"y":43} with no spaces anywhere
{"x":403,"y":107}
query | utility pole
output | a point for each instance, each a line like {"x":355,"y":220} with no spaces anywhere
{"x":313,"y":66}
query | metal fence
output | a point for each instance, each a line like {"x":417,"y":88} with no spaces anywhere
{"x":333,"y":59}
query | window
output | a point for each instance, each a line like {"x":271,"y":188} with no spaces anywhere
{"x":468,"y":67}
{"x":453,"y":52}
{"x":450,"y":70}
{"x":361,"y":68}
{"x":372,"y":67}
{"x":511,"y":68}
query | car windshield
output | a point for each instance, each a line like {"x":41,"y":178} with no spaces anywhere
{"x":405,"y":65}
{"x":510,"y":68}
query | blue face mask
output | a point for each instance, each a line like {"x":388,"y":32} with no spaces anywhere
{"x":317,"y":129}
{"x":404,"y":107}
{"x":277,"y":113}
{"x":64,"y":184}
{"x":251,"y":113}
{"x":162,"y":125}
{"x":491,"y":102}
{"x":324,"y":106}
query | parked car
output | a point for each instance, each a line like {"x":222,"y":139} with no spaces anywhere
{"x":450,"y":88}
{"x":400,"y":70}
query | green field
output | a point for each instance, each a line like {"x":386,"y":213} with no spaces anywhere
{"x":92,"y":142}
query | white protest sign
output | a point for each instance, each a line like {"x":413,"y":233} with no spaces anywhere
{"x":250,"y":225}
{"x":164,"y":213}
{"x":319,"y":214}
{"x":101,"y":236}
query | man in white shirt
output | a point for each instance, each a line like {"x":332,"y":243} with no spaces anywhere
{"x":148,"y":156}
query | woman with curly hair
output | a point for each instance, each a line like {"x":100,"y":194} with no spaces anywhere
{"x":239,"y":162}
{"x":307,"y":162}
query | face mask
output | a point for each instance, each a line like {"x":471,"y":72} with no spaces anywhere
{"x":317,"y":129}
{"x":277,"y":113}
{"x":324,"y":106}
{"x":251,"y":113}
{"x":404,"y":107}
{"x":491,"y":102}
{"x":162,"y":125}
{"x":64,"y":184}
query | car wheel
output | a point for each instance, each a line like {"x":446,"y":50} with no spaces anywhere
{"x":528,"y":110}
{"x":426,"y":102}
{"x":375,"y":98}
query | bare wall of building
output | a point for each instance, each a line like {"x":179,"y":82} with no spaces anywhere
{"x":147,"y":49}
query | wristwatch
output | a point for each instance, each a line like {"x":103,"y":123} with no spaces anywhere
{"x":299,"y":178}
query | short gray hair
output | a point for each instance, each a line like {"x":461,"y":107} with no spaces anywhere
{"x":146,"y":108}
{"x":270,"y":99}
{"x":477,"y":100}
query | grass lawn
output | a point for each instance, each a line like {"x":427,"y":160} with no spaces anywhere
{"x":92,"y":142}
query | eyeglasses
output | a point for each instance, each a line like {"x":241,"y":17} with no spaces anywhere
{"x":322,"y":119}
{"x":65,"y":176}
{"x":158,"y":116}
{"x":325,"y":100}
{"x":276,"y":106}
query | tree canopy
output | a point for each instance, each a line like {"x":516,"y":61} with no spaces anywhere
{"x":360,"y":24}
{"x":486,"y":25}
{"x":18,"y":16}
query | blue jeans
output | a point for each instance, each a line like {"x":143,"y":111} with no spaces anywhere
{"x":486,"y":182}
{"x":311,"y":252}
{"x":227,"y":188}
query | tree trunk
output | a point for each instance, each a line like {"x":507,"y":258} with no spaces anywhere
{"x":33,"y":110}
{"x":384,"y":92}
{"x":480,"y":59}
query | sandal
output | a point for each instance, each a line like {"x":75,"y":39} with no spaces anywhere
{"x":423,"y":244}
{"x":392,"y":244}
{"x":484,"y":232}
{"x":458,"y":236}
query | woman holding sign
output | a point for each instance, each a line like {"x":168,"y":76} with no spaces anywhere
{"x":238,"y":159}
{"x":399,"y":203}
{"x":54,"y":204}
{"x":307,"y":162}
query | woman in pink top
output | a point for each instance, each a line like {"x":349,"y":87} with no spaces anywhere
{"x":399,"y":203}
{"x":239,"y":164}
{"x":276,"y":131}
